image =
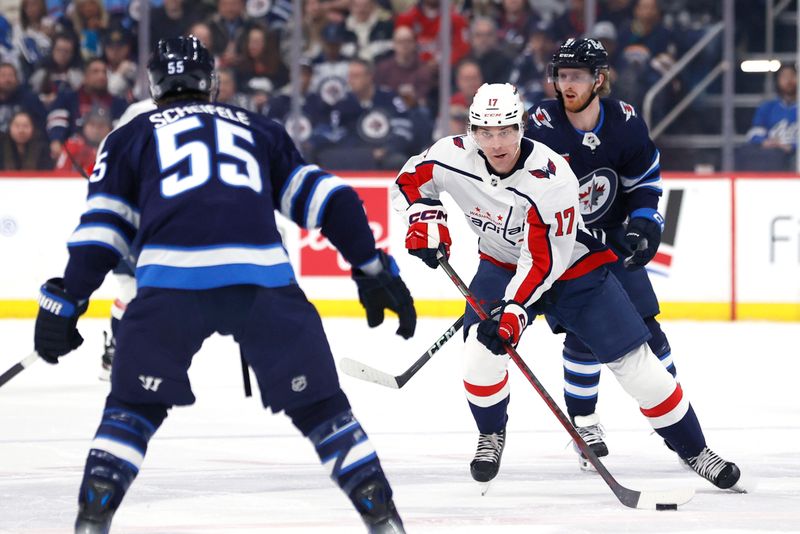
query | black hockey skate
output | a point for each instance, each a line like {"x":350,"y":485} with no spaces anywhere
{"x":109,"y":348}
{"x":486,"y":463}
{"x":724,"y":475}
{"x":592,"y":432}
{"x":95,"y":510}
{"x":377,"y":508}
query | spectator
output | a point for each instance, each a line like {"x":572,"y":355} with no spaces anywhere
{"x":605,"y":32}
{"x":7,"y":52}
{"x":369,"y":127}
{"x":71,"y":107}
{"x":15,"y":97}
{"x":423,"y":19}
{"x":572,"y":23}
{"x":60,"y":70}
{"x":314,"y":21}
{"x":772,"y":139}
{"x":646,"y":53}
{"x":32,"y":36}
{"x":80,"y":150}
{"x":468,"y":80}
{"x":330,"y":68}
{"x":529,"y":73}
{"x":227,"y":26}
{"x":494,"y":63}
{"x":23,"y":148}
{"x":403,"y":72}
{"x":117,"y":46}
{"x":228,"y":90}
{"x":172,"y":20}
{"x":202,"y":31}
{"x":617,"y":12}
{"x":517,"y":19}
{"x":259,"y":57}
{"x":373,"y":27}
{"x":88,"y":20}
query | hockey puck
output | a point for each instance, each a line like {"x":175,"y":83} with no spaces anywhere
{"x":666,"y":506}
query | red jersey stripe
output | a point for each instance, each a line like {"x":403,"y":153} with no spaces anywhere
{"x":539,"y":246}
{"x":485,"y":391}
{"x":589,"y":263}
{"x":410,"y":182}
{"x":666,"y":406}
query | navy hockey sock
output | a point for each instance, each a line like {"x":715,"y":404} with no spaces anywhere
{"x":684,"y":437}
{"x":581,"y":379}
{"x":660,"y":345}
{"x":491,"y":419}
{"x":116,"y":454}
{"x":344,"y":448}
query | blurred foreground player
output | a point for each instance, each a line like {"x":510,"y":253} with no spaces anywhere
{"x":193,"y":187}
{"x":536,"y":257}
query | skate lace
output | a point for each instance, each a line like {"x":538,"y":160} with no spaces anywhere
{"x":592,"y":434}
{"x":489,"y":447}
{"x":707,"y":464}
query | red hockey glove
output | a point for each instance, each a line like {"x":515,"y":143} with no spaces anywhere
{"x":427,"y":231}
{"x":504,"y":327}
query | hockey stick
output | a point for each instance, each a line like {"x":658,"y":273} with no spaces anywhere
{"x":645,"y":500}
{"x":18,"y":367}
{"x":370,"y":374}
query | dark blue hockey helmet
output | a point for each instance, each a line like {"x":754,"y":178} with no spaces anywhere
{"x":181,"y":65}
{"x":579,"y":54}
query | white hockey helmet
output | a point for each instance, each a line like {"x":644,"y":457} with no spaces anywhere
{"x":497,"y":104}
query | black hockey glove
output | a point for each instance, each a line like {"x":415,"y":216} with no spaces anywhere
{"x":386,"y":290}
{"x":643,"y":236}
{"x":504,"y":327}
{"x":55,"y":333}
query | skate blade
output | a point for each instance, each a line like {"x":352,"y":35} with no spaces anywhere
{"x":484,"y":486}
{"x":586,"y":465}
{"x":745,"y":484}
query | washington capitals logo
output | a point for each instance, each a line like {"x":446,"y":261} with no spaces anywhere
{"x":545,"y":172}
{"x":459,"y":141}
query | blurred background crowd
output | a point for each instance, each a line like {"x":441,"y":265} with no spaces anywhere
{"x":369,"y":72}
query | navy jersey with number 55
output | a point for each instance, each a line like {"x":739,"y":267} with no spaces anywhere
{"x":161,"y":197}
{"x":617,"y":164}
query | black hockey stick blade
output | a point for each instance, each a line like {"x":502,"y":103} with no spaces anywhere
{"x":647,"y":500}
{"x":18,"y":367}
{"x":363,"y":371}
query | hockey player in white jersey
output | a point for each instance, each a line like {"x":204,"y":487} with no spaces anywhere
{"x":521,"y":199}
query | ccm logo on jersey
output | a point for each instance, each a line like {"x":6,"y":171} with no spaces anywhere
{"x":541,"y":118}
{"x":627,"y":109}
{"x":427,"y":215}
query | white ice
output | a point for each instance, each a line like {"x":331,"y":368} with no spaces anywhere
{"x":226,"y":465}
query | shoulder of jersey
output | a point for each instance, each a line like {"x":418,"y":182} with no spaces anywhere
{"x":545,"y":166}
{"x":449,"y":148}
{"x":620,"y":112}
{"x":544,"y":115}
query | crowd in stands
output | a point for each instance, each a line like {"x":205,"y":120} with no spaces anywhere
{"x":369,"y":74}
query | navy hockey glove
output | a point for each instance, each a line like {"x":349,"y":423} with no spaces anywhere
{"x":504,"y":327}
{"x":385,"y":289}
{"x":643,"y":236}
{"x":427,"y":231}
{"x":55,"y":333}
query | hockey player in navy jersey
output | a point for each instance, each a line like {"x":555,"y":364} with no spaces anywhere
{"x":536,"y":257}
{"x":192,"y":188}
{"x":608,"y":147}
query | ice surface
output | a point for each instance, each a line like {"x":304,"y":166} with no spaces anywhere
{"x":226,"y":465}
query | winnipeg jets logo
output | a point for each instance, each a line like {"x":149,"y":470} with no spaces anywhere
{"x":627,"y":109}
{"x":597,"y":192}
{"x":541,"y":118}
{"x":545,"y":172}
{"x":591,"y":140}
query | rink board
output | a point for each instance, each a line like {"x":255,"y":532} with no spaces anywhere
{"x":731,"y":248}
